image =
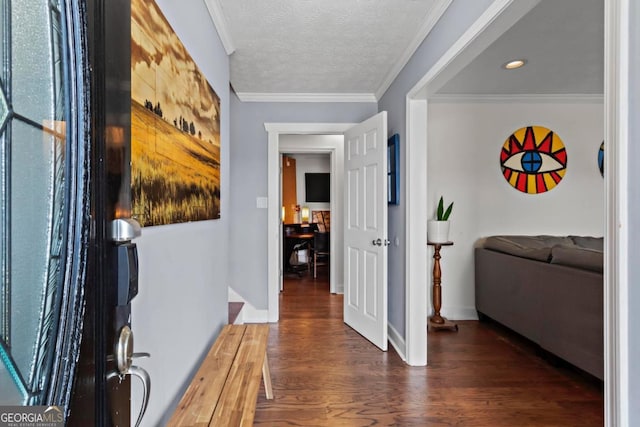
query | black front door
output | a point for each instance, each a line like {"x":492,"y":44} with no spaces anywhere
{"x":103,"y":387}
{"x":64,"y":178}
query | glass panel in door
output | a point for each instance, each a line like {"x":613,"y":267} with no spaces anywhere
{"x":34,"y":201}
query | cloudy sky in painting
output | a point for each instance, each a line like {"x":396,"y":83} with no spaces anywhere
{"x":163,"y":71}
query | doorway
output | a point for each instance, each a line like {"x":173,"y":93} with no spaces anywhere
{"x":280,"y":141}
{"x":363,"y":162}
{"x":489,"y":26}
{"x":311,"y":146}
{"x":306,"y":208}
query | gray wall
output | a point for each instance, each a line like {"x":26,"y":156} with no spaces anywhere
{"x":182,"y":303}
{"x":248,"y":247}
{"x":456,"y":20}
{"x":634,"y":213}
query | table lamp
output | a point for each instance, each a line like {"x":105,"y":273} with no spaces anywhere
{"x":305,"y":215}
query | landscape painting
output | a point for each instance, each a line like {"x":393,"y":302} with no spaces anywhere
{"x":175,"y":126}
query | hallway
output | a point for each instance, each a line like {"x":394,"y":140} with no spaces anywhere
{"x":325,"y":374}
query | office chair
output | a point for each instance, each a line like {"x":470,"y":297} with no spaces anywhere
{"x":320,"y":250}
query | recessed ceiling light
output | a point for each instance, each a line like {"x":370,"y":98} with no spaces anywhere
{"x":516,"y":63}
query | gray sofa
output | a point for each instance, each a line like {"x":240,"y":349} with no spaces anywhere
{"x":548,"y":289}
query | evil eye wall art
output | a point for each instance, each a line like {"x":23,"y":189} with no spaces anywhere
{"x":533,"y":159}
{"x":601,"y":159}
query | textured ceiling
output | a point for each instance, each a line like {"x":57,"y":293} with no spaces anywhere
{"x":357,"y":47}
{"x":563,"y":42}
{"x":322,"y":46}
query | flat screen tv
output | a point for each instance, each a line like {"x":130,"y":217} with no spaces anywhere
{"x":317,"y":187}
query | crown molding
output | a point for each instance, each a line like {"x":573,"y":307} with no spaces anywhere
{"x":306,"y":97}
{"x":308,"y":128}
{"x":220,"y":22}
{"x":574,"y":98}
{"x":433,"y":17}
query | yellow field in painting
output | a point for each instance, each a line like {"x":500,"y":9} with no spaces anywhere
{"x":175,"y":177}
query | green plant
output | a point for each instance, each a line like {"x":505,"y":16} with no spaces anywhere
{"x":441,"y":214}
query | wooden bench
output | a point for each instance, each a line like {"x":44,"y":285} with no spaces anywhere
{"x":224,"y":391}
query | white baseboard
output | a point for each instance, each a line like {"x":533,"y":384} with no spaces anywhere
{"x":248,"y":314}
{"x":459,"y":313}
{"x":253,"y":315}
{"x":397,"y":341}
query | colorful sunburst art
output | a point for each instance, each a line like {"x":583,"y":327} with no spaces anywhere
{"x":533,"y":159}
{"x":601,"y":159}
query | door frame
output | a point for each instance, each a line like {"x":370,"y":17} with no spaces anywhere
{"x":274,"y":223}
{"x":498,"y":17}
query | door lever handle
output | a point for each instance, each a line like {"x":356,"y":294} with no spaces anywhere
{"x":140,"y":355}
{"x":124,"y":356}
{"x":136,"y":371}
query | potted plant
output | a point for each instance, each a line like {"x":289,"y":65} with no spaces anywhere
{"x":438,"y":229}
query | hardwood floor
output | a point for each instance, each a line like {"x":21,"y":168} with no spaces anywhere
{"x":325,"y":374}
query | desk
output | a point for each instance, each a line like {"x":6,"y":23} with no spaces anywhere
{"x":300,"y":236}
{"x":292,"y":235}
{"x":437,"y":322}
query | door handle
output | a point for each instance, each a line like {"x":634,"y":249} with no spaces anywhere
{"x":379,"y":242}
{"x":140,"y":355}
{"x":124,"y":356}
{"x":136,"y":371}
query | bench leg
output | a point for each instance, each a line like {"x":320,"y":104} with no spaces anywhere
{"x":266,"y":377}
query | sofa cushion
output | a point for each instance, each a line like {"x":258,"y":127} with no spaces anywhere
{"x":595,"y":243}
{"x":578,"y":257}
{"x":531,"y":247}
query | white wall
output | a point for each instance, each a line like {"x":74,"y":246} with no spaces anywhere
{"x":464,"y":142}
{"x":310,"y":163}
{"x":182,"y":302}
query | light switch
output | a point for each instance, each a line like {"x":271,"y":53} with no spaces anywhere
{"x":262,"y":202}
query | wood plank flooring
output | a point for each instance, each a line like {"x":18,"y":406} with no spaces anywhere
{"x":325,"y":374}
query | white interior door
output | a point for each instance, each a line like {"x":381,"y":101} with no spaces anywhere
{"x":365,"y":229}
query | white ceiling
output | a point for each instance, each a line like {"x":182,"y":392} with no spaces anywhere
{"x":348,"y":47}
{"x":352,"y":50}
{"x":563,"y":43}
